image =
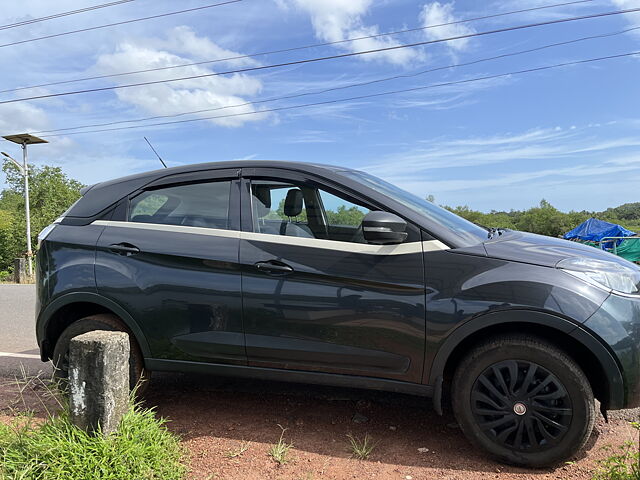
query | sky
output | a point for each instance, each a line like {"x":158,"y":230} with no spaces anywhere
{"x":570,"y":135}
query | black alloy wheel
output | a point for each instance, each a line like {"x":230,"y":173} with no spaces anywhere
{"x":521,"y":405}
{"x":524,"y":400}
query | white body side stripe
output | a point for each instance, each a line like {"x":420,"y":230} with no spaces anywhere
{"x":401,"y":249}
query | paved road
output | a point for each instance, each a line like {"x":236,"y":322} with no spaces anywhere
{"x":17,"y":331}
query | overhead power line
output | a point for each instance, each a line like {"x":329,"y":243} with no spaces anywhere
{"x":360,"y":97}
{"x":343,"y":87}
{"x":63,"y":14}
{"x":319,"y":59}
{"x":125,"y":22}
{"x":293,"y":49}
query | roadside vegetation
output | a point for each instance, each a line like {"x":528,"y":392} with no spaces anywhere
{"x":623,"y":462}
{"x":54,"y":448}
{"x":51,"y":192}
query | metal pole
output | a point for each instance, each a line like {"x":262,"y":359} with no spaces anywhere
{"x":26,"y":207}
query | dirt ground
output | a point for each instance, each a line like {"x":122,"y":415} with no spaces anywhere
{"x":218,"y":417}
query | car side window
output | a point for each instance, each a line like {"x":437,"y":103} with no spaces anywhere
{"x":306,"y":211}
{"x":195,"y":205}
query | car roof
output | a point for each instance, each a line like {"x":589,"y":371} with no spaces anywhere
{"x":101,"y":195}
{"x":196,"y":167}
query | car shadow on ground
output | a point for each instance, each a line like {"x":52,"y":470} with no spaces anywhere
{"x":318,"y":419}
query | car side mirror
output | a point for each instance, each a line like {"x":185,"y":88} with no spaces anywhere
{"x":383,"y":228}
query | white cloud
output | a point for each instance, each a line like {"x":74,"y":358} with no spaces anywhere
{"x":22,"y":117}
{"x":632,"y":18}
{"x":183,"y":40}
{"x":188,"y":95}
{"x":436,"y":13}
{"x":534,"y":145}
{"x":337,"y":20}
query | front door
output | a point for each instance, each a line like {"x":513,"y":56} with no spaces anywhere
{"x":316,"y":296}
{"x":171,"y":260}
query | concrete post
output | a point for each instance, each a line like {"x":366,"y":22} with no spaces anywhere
{"x":20,"y":270}
{"x":99,"y":380}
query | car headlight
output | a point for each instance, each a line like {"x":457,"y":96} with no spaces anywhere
{"x":609,"y":275}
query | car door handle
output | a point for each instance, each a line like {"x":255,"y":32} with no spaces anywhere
{"x":124,"y":248}
{"x":274,"y":267}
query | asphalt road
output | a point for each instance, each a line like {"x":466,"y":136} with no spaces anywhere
{"x":18,"y":346}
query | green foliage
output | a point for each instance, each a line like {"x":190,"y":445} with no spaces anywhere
{"x":361,"y":448}
{"x":345,"y":216}
{"x":141,"y":449}
{"x":280,"y":451}
{"x":545,"y":219}
{"x":51,"y":192}
{"x":623,"y":463}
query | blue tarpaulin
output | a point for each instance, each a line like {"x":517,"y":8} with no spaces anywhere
{"x":594,"y":230}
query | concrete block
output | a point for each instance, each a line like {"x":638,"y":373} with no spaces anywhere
{"x":99,"y":380}
{"x":20,"y":270}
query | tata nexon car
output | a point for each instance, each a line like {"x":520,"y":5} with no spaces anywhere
{"x":317,"y":274}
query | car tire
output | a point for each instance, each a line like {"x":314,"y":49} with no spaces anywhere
{"x":138,"y":374}
{"x":523,"y":400}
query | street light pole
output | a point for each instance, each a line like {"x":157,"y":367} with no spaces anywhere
{"x":27,"y":212}
{"x":23,"y":140}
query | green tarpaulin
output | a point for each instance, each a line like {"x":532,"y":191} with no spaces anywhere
{"x":629,"y":249}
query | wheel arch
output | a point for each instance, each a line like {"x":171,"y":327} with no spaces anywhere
{"x":590,"y":354}
{"x":73,"y":306}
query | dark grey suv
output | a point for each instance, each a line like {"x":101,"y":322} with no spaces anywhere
{"x":317,"y":274}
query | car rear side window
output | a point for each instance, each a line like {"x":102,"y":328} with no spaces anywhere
{"x":195,"y":205}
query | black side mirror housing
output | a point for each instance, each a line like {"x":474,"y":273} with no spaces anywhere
{"x":383,"y":228}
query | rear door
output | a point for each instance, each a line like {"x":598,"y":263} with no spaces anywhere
{"x":169,"y":256}
{"x":316,"y":296}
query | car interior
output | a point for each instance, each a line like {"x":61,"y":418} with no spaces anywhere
{"x":298,"y":211}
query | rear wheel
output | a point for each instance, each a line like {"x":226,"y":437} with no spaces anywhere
{"x":138,"y":375}
{"x":523,"y":400}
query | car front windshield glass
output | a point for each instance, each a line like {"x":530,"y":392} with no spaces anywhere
{"x":468,"y":232}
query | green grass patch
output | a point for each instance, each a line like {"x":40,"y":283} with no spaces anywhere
{"x":361,"y":448}
{"x":55,"y":449}
{"x":280,"y":451}
{"x":623,"y":462}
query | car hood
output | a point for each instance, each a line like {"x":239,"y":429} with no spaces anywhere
{"x":543,"y":250}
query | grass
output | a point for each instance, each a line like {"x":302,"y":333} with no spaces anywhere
{"x":623,"y":463}
{"x":236,"y":452}
{"x":361,"y":448}
{"x":53,"y":449}
{"x":280,"y":451}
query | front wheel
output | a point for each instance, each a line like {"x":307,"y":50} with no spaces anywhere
{"x":523,"y":400}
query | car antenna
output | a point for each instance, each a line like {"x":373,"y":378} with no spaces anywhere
{"x":154,"y":151}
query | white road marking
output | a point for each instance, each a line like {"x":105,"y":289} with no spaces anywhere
{"x":18,"y":355}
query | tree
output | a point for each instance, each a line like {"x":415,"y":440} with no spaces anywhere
{"x":51,"y":192}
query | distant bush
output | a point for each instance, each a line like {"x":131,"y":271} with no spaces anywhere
{"x":545,"y":219}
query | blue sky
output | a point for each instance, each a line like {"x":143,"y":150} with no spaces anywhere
{"x":569,"y":135}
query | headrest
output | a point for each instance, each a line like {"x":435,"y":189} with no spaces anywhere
{"x":293,"y":203}
{"x":263,"y":193}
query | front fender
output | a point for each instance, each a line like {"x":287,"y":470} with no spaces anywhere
{"x":512,"y":317}
{"x":88,"y":297}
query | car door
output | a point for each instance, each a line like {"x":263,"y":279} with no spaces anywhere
{"x":169,"y":256}
{"x":316,"y":296}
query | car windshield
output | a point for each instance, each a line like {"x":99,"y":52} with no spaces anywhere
{"x":469,"y":233}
